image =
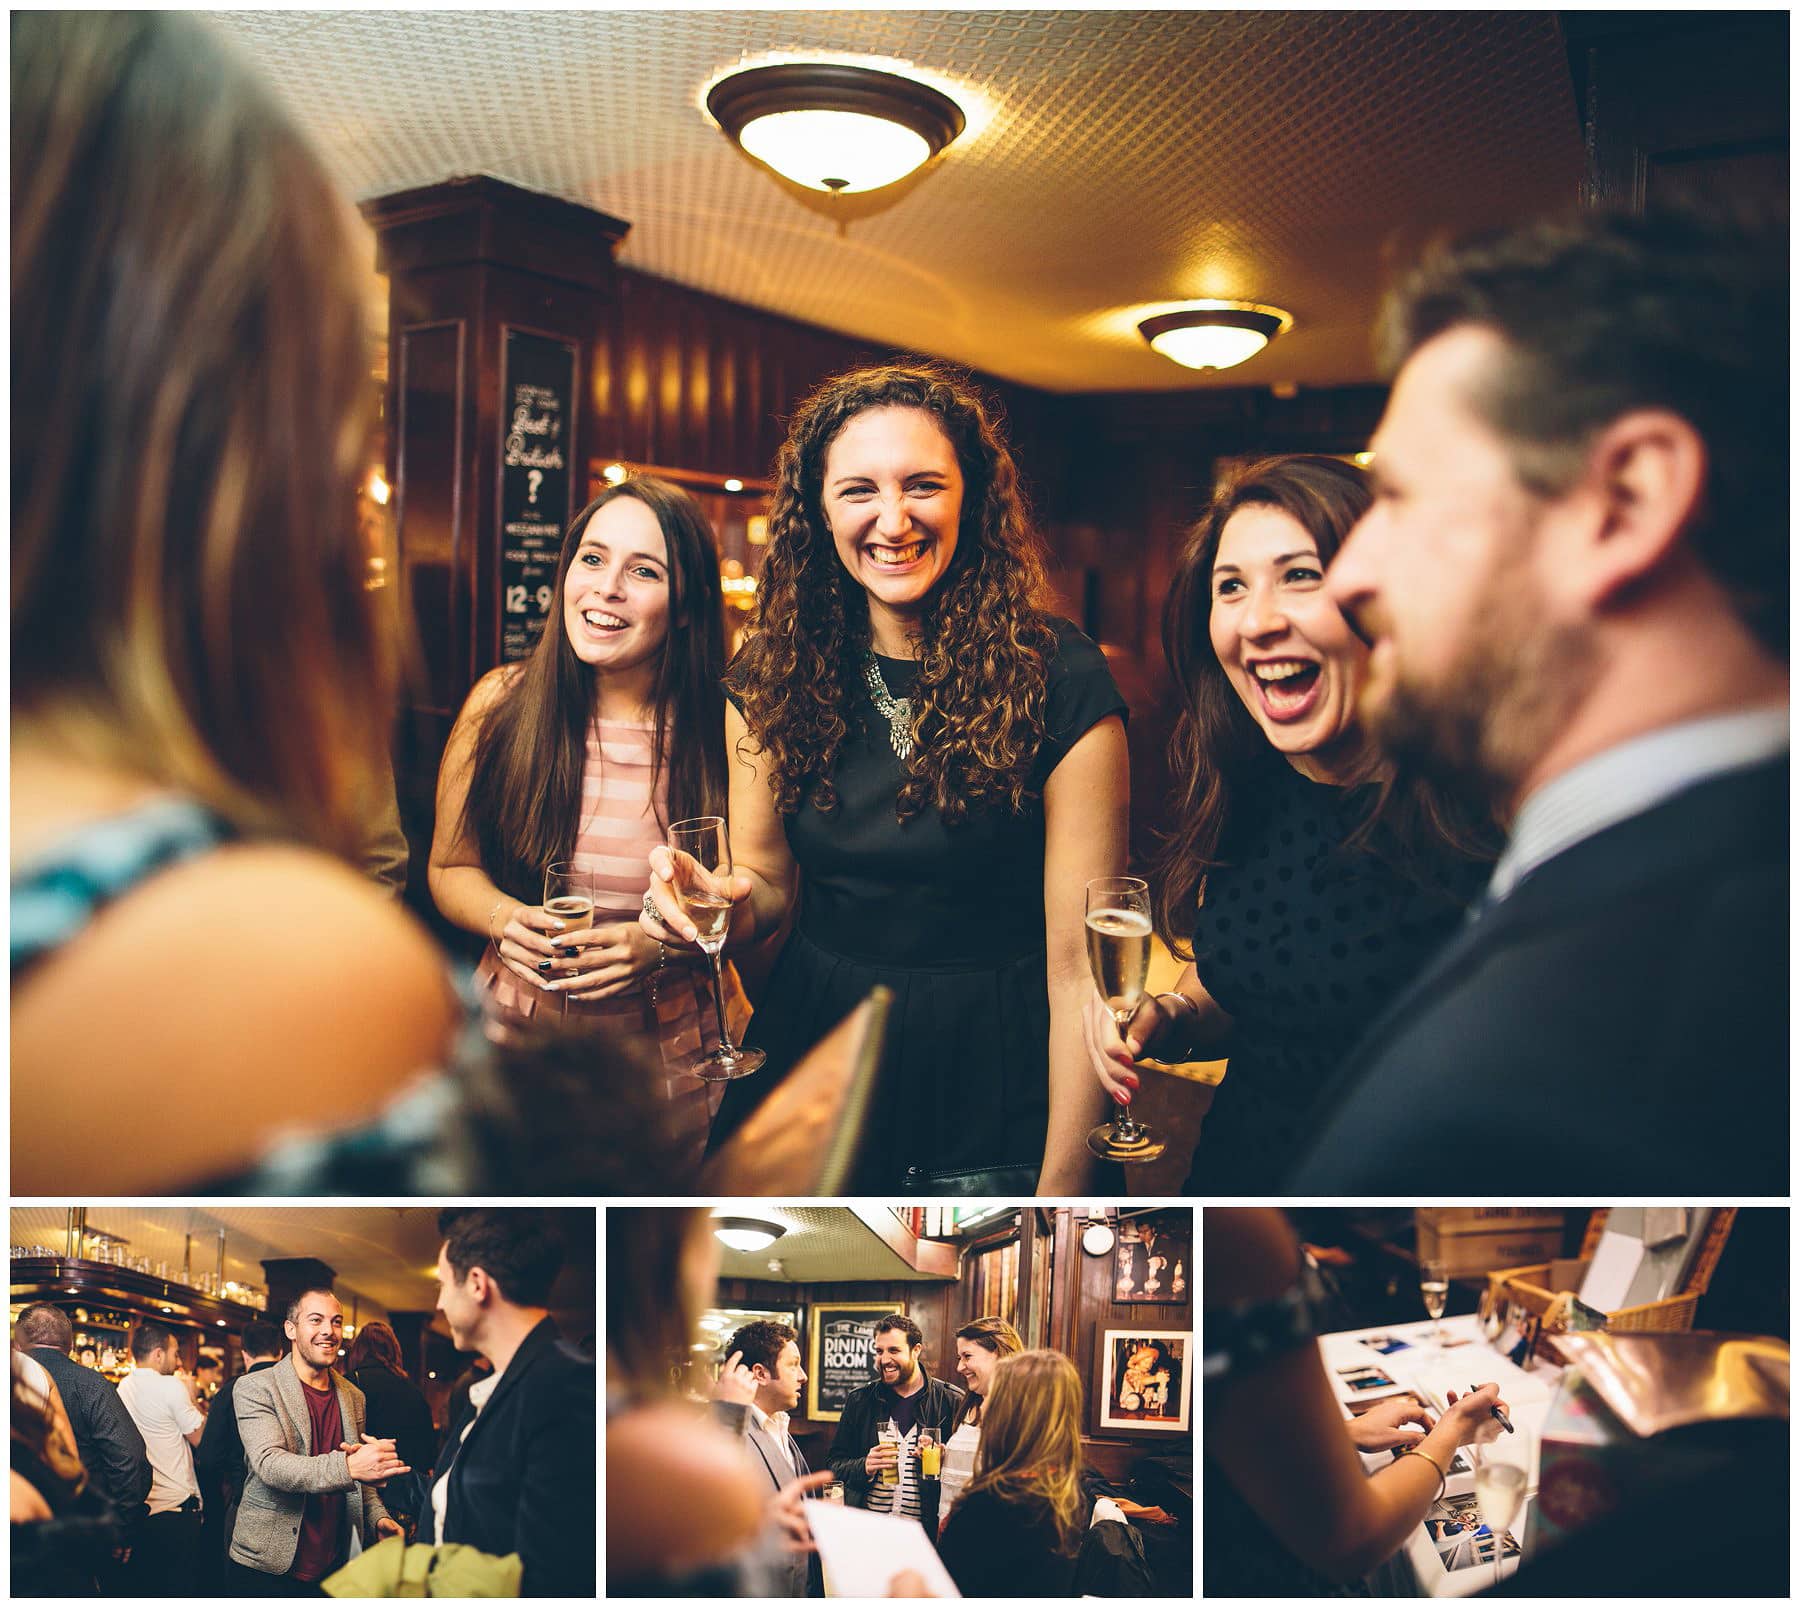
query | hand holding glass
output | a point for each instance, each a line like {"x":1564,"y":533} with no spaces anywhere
{"x":569,"y":898}
{"x":701,"y":852}
{"x":1118,"y":944}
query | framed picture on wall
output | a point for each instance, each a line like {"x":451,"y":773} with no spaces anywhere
{"x":839,"y":1353}
{"x":1152,"y":1257}
{"x":1144,"y":1380}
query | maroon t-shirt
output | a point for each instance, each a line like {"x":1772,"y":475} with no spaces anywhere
{"x":322,"y":1543}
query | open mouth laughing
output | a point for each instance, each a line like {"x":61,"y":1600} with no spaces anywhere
{"x":1288,"y":687}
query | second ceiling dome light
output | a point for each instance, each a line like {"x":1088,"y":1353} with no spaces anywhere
{"x":833,"y":127}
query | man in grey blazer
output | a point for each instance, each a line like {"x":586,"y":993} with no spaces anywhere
{"x":310,"y":1471}
{"x":759,"y":1386}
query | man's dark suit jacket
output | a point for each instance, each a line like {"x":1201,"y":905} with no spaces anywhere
{"x":524,"y":1481}
{"x":219,"y":1458}
{"x":1618,"y":1025}
{"x":112,"y":1450}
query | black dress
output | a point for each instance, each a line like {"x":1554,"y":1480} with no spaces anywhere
{"x":951,"y":918}
{"x":1302,"y":941}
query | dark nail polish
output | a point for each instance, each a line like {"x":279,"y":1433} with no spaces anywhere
{"x":543,"y":965}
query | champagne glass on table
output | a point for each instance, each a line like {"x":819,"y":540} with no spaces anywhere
{"x":701,"y":850}
{"x":1500,"y":1480}
{"x":569,"y":897}
{"x":1118,"y":944}
{"x":1434,"y":1291}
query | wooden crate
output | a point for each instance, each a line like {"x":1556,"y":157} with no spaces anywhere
{"x":1548,"y":1289}
{"x":1473,"y":1240}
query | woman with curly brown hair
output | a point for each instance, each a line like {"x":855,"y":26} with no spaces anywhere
{"x":931,"y":768}
{"x":1303,"y":883}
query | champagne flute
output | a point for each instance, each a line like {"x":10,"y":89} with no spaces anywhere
{"x":701,"y":850}
{"x":1500,"y":1481}
{"x":1434,"y":1291}
{"x":569,"y":897}
{"x":1118,"y":944}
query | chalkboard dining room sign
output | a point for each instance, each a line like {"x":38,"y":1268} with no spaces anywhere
{"x":537,"y":429}
{"x":840,"y":1356}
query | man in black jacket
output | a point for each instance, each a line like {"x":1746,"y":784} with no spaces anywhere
{"x":112,"y":1451}
{"x":519,"y":1467}
{"x":219,"y":1458}
{"x":1574,"y":580}
{"x":903,"y":1392}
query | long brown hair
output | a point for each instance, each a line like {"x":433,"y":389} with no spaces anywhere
{"x":523,"y":808}
{"x":995,"y":1335}
{"x":375,"y":1343}
{"x":1030,"y":1450}
{"x":978,"y":709}
{"x":653,"y":1316}
{"x":1220,"y":758}
{"x":190,"y":380}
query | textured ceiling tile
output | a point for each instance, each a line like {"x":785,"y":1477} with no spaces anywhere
{"x":1115,"y":160}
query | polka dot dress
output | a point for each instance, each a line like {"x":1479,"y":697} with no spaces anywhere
{"x":1302,"y":942}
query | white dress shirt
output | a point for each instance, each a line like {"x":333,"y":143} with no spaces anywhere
{"x":1629,"y":779}
{"x":165,"y":1416}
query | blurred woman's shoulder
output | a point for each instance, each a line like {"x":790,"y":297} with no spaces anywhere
{"x":296,"y":991}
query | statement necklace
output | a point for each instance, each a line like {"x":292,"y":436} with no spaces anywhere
{"x":898,"y":711}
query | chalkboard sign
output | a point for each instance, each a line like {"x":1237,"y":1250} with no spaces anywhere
{"x":841,"y":1353}
{"x":537,"y":430}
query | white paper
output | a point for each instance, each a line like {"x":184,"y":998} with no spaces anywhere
{"x":861,"y":1552}
{"x":1610,"y":1273}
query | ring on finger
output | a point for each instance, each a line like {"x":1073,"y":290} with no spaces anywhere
{"x":651,"y":911}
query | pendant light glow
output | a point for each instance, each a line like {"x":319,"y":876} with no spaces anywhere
{"x":833,"y":127}
{"x":1216,"y":334}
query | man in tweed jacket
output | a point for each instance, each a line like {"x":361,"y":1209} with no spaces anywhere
{"x":310,"y":1471}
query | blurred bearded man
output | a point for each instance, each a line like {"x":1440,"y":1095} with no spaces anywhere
{"x":1574,"y":583}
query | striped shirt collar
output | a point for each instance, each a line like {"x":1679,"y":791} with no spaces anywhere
{"x":1630,"y":779}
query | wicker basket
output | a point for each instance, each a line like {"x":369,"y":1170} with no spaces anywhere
{"x":1530,"y":1287}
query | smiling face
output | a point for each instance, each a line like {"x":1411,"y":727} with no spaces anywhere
{"x":976,"y":1364}
{"x":616,"y":594}
{"x":892,"y":495}
{"x":317,"y":1329}
{"x":895,"y":1361}
{"x":1284,"y":644}
{"x":1471,"y":670}
{"x":779,"y":1392}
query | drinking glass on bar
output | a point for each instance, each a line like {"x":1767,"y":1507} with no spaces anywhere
{"x":1118,"y":944}
{"x":568,"y":896}
{"x":701,"y":850}
{"x":1434,"y":1291}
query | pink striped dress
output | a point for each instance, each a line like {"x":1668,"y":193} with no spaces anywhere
{"x":670,"y":1013}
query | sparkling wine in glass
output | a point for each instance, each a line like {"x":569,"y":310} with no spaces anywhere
{"x":1434,"y":1291}
{"x":1500,"y":1480}
{"x":701,"y":850}
{"x":569,"y":897}
{"x":1118,"y":944}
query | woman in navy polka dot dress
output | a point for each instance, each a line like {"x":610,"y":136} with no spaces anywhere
{"x":1304,"y":883}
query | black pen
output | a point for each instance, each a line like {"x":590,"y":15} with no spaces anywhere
{"x":1505,"y":1422}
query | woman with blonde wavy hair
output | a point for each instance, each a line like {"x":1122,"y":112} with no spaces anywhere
{"x":928,"y":768}
{"x":1015,"y":1531}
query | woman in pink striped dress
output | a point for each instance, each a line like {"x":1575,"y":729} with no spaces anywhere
{"x":584,"y":752}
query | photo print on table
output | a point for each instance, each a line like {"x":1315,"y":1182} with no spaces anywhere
{"x":1462,"y":1541}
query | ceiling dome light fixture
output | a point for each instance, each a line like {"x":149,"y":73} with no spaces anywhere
{"x":746,"y":1233}
{"x":833,"y":127}
{"x":1214,"y":334}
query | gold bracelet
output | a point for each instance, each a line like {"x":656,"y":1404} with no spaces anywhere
{"x":1443,"y":1478}
{"x":504,"y":899}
